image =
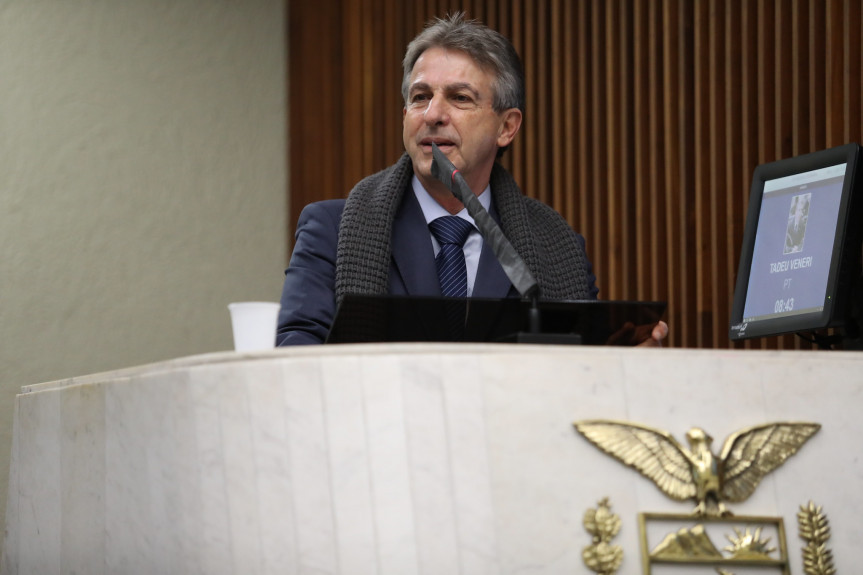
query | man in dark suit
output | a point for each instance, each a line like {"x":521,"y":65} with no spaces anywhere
{"x":463,"y":89}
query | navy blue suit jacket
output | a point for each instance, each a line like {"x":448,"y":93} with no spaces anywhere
{"x":308,"y":296}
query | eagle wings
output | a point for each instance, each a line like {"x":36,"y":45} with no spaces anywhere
{"x":746,"y":457}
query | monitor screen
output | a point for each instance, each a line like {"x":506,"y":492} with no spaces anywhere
{"x":801,"y":247}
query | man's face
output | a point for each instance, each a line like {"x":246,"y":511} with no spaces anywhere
{"x":450,"y":104}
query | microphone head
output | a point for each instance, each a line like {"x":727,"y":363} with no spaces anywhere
{"x":441,"y":167}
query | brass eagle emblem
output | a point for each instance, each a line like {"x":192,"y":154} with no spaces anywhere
{"x":696,"y":473}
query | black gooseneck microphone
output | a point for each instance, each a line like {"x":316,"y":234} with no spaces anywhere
{"x":512,"y":264}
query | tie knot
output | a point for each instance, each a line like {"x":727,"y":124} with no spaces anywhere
{"x":450,"y":230}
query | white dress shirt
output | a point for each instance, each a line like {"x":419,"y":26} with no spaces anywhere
{"x":473,"y":246}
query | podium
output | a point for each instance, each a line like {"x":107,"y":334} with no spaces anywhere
{"x":401,"y":458}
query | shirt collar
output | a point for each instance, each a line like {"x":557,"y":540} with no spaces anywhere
{"x":433,"y":210}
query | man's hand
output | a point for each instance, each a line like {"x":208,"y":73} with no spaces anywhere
{"x":659,"y":332}
{"x":650,"y":335}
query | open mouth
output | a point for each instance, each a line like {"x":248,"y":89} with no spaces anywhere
{"x":444,"y":145}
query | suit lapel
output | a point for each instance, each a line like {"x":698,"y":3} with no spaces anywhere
{"x":413,"y":254}
{"x":491,"y":280}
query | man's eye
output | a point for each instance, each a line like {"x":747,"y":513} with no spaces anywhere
{"x":418,"y":98}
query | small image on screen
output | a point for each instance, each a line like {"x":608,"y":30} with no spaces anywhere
{"x":797,"y":218}
{"x":794,"y":244}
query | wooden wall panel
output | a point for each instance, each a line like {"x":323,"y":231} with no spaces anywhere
{"x":645,"y":119}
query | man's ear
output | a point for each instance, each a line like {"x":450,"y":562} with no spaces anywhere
{"x":509,"y":126}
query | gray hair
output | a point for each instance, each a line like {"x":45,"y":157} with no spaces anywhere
{"x":491,"y":50}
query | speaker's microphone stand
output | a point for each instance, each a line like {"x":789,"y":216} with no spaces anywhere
{"x":513,"y":265}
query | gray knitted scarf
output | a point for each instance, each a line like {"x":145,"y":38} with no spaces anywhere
{"x":539,"y":234}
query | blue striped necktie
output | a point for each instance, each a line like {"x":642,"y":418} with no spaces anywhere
{"x":451,"y":232}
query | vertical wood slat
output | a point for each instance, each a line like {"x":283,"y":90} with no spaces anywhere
{"x":817,"y":74}
{"x":716,"y":175}
{"x":676,"y":212}
{"x":658,"y":275}
{"x":581,"y":128}
{"x":702,"y":239}
{"x":568,"y":166}
{"x":597,"y":191}
{"x":539,"y":25}
{"x":732,"y":44}
{"x":615,"y":144}
{"x":645,"y":120}
{"x":800,"y":80}
{"x":852,"y":95}
{"x":641,"y":153}
{"x":353,"y":112}
{"x":834,"y":67}
{"x":562,"y":47}
{"x":558,"y":39}
{"x":626,"y":152}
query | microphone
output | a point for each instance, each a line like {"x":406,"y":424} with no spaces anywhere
{"x":514,"y":267}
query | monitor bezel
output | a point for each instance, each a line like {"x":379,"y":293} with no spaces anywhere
{"x":845,"y":256}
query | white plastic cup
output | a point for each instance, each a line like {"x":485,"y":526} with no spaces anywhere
{"x":254,"y":324}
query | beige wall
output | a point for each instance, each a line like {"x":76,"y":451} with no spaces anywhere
{"x":142,"y":181}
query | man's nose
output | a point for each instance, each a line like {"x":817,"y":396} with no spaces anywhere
{"x":437,"y":112}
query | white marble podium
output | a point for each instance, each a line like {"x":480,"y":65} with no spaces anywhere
{"x":400,"y":459}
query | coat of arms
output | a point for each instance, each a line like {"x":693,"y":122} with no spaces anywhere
{"x":712,"y":480}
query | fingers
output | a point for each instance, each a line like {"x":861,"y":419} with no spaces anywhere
{"x":660,"y":332}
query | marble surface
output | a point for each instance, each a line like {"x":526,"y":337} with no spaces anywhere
{"x":399,"y":459}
